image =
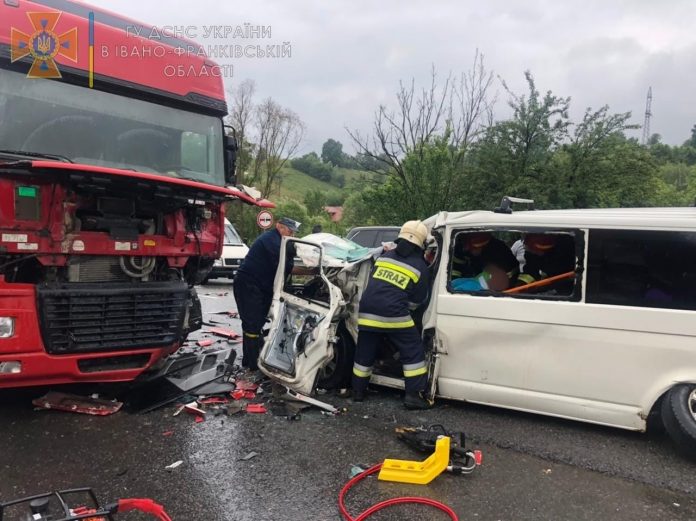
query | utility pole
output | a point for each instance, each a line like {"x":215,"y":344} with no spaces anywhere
{"x":648,"y":115}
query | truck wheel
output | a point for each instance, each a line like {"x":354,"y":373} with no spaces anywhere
{"x":679,"y":417}
{"x":336,"y":374}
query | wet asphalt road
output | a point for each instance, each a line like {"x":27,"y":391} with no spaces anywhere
{"x":534,"y":467}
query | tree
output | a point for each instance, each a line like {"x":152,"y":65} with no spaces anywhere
{"x":240,"y":118}
{"x":448,"y":116}
{"x":312,"y":166}
{"x":279,"y":132}
{"x":314,"y":201}
{"x":332,"y":152}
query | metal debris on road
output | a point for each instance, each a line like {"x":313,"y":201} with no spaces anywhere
{"x":249,"y":456}
{"x":78,"y":404}
{"x":174,"y":465}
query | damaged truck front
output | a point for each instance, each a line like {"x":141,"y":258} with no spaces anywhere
{"x":111,"y":199}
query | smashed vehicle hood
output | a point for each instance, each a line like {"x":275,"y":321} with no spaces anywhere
{"x":338,"y":252}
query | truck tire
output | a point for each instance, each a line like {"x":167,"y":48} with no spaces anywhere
{"x":336,"y":374}
{"x":679,"y":417}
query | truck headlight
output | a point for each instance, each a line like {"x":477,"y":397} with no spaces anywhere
{"x":6,"y":327}
{"x":10,"y":367}
{"x":218,"y":262}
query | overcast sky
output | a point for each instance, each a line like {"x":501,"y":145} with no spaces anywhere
{"x":348,"y":56}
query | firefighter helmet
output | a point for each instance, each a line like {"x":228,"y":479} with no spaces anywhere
{"x":414,"y":232}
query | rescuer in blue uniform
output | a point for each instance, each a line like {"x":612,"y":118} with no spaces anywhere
{"x":253,"y":287}
{"x":397,"y":285}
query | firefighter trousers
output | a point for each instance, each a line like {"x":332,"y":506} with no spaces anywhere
{"x":411,"y":351}
{"x":253,"y":306}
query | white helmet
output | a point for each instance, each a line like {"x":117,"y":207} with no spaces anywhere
{"x":414,"y":232}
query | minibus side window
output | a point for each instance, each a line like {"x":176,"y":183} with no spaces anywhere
{"x":639,"y":268}
{"x":544,"y":264}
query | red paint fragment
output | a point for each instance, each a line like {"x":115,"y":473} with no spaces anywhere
{"x":240,"y":394}
{"x":205,"y":343}
{"x":227,"y":333}
{"x":256,"y":408}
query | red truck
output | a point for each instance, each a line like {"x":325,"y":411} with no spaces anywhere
{"x":115,"y":168}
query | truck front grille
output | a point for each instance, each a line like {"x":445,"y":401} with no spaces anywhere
{"x":86,"y":318}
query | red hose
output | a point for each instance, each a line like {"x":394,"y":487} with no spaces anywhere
{"x":144,"y":505}
{"x":389,"y":502}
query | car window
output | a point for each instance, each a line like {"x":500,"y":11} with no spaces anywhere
{"x":386,"y":236}
{"x":516,"y":263}
{"x":366,"y":238}
{"x":642,"y":268}
{"x":232,"y":238}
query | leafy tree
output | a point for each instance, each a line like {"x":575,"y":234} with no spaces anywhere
{"x":314,"y":201}
{"x":311,"y":165}
{"x":332,"y":152}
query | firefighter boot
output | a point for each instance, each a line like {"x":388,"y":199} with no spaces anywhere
{"x":250,"y":351}
{"x":253,"y":350}
{"x":417,"y":401}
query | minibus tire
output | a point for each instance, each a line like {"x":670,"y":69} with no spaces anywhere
{"x":344,"y":352}
{"x":679,"y":419}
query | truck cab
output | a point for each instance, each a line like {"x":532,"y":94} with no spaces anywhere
{"x":114,"y":177}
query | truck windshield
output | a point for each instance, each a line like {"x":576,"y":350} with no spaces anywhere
{"x":102,"y":129}
{"x":231,"y":236}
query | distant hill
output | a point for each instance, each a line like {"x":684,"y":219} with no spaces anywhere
{"x":296,"y":184}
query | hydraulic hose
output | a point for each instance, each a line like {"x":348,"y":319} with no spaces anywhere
{"x":147,"y":506}
{"x":389,"y":502}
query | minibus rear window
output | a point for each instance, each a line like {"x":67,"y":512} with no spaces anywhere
{"x":642,"y":268}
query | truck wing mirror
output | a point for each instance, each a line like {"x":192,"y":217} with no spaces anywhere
{"x":231,"y":146}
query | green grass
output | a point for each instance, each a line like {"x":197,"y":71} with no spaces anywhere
{"x":296,"y":184}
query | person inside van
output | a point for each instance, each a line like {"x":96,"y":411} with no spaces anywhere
{"x":547,"y":255}
{"x":475,"y":252}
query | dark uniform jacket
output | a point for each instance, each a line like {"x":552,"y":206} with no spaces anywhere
{"x":396,"y":286}
{"x":261,"y":263}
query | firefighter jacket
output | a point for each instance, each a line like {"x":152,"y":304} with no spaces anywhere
{"x":396,"y":286}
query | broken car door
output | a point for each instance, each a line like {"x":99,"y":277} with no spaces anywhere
{"x":303,"y":330}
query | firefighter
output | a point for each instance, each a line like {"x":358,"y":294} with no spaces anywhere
{"x":474,"y":251}
{"x":547,"y":255}
{"x":398,"y":284}
{"x":253,"y":287}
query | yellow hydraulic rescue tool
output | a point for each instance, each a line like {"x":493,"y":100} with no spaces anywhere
{"x":418,"y":472}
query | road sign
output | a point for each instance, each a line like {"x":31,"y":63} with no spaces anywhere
{"x":264,"y":219}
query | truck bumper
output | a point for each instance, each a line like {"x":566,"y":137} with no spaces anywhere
{"x":24,"y":360}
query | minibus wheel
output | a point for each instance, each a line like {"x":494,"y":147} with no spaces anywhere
{"x":336,"y":374}
{"x":679,"y":417}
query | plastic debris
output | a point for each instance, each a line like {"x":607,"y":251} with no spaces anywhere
{"x":249,"y":456}
{"x":193,"y":408}
{"x":174,"y":465}
{"x":243,"y":395}
{"x":245,"y":385}
{"x":227,"y":333}
{"x":78,"y":404}
{"x":256,"y":408}
{"x":356,"y":469}
{"x":205,"y":342}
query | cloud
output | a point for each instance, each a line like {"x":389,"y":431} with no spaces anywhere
{"x":348,"y":56}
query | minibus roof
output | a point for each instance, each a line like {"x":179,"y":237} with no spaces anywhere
{"x":635,"y":218}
